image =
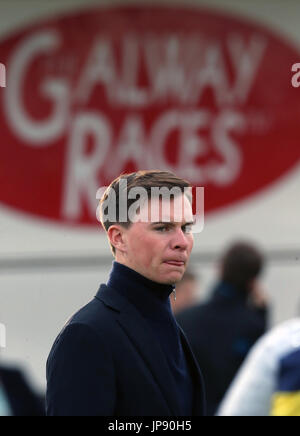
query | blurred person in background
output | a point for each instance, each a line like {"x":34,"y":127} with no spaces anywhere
{"x":268,"y":382}
{"x":222,"y":331}
{"x":17,"y":398}
{"x":186,"y":292}
{"x":123,"y":354}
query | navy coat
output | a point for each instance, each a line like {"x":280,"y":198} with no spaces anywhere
{"x":106,"y":362}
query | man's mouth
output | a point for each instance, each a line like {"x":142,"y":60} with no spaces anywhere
{"x":175,"y":263}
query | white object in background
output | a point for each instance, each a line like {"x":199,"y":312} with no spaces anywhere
{"x":251,"y":392}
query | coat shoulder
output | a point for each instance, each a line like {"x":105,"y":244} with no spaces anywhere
{"x":94,"y":315}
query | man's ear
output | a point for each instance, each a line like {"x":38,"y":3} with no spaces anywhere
{"x":115,"y":234}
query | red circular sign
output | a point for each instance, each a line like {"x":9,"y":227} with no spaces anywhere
{"x":100,"y":92}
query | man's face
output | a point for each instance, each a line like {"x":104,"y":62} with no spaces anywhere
{"x":160,"y":250}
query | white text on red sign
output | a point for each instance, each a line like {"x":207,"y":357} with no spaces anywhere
{"x":296,"y":76}
{"x":2,"y":76}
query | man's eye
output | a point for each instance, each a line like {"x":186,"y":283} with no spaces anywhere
{"x":161,"y":229}
{"x":188,"y":228}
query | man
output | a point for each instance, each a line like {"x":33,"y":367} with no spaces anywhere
{"x":123,"y":354}
{"x":222,"y":331}
{"x":268,"y":382}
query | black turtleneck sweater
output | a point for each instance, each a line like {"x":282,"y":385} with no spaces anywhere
{"x":151,"y":299}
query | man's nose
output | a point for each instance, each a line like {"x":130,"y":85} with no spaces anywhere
{"x":180,"y":240}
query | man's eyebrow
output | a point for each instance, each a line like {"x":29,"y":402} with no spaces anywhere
{"x":172,"y":223}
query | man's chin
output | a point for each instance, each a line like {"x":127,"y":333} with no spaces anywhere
{"x":177,"y":280}
{"x":173,"y":279}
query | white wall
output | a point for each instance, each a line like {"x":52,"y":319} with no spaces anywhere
{"x":37,"y":298}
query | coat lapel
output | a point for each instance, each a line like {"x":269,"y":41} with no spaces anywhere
{"x":140,"y":334}
{"x":199,"y":399}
